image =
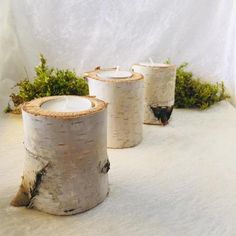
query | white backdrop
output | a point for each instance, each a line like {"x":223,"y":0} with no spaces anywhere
{"x":82,"y":34}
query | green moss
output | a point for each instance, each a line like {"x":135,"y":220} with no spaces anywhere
{"x":48,"y":82}
{"x":7,"y":108}
{"x":191,"y":92}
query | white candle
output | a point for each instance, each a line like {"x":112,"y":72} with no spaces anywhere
{"x":152,"y":64}
{"x":151,"y":61}
{"x":67,"y":104}
{"x":114,"y":74}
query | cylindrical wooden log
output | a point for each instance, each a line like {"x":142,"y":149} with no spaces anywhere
{"x":159,"y":91}
{"x":66,"y":160}
{"x":125,"y":106}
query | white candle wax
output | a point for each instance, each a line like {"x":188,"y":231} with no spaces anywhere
{"x":151,"y":64}
{"x":67,"y":104}
{"x":114,"y":74}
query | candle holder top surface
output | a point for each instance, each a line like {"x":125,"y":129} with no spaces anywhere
{"x":132,"y":76}
{"x":155,"y":65}
{"x":114,"y":74}
{"x":41,"y":106}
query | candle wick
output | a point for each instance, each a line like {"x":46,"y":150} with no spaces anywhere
{"x":151,"y":61}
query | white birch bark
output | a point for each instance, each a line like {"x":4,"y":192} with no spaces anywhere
{"x":66,"y":161}
{"x":159,"y":91}
{"x":125,"y":107}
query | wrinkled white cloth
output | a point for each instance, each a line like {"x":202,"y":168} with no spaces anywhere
{"x":82,"y":34}
{"x":179,"y":181}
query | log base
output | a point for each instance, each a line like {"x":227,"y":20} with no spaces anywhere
{"x":66,"y":164}
{"x":125,"y":107}
{"x":159,"y":91}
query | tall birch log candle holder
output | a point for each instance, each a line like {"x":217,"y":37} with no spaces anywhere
{"x":159,"y":91}
{"x":66,"y":162}
{"x":123,"y":91}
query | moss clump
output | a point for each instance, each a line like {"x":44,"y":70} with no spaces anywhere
{"x":47,"y":82}
{"x":8,"y":108}
{"x":191,"y":92}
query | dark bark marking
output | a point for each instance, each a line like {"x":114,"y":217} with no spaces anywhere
{"x":38,"y":179}
{"x":162,"y":113}
{"x":66,"y":211}
{"x":106,"y":167}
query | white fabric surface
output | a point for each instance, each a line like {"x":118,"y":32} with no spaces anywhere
{"x":81,"y":34}
{"x":179,"y":181}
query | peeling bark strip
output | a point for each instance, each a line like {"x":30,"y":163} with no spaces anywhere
{"x":162,"y":113}
{"x":159,"y":91}
{"x":35,"y":167}
{"x":125,"y":107}
{"x":62,"y":173}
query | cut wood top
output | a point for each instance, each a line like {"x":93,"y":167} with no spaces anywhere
{"x":34,"y":107}
{"x":94,"y":75}
{"x":155,"y":65}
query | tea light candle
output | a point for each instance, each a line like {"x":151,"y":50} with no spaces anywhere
{"x":67,"y":104}
{"x":66,"y":162}
{"x":123,"y":91}
{"x":159,"y":90}
{"x":150,"y":64}
{"x":114,"y":74}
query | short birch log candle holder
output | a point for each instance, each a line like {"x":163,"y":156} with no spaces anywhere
{"x":159,"y":91}
{"x":66,"y":162}
{"x":123,"y":91}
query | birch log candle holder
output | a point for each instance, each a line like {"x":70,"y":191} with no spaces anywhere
{"x":66,"y":160}
{"x":123,"y":91}
{"x":159,"y":91}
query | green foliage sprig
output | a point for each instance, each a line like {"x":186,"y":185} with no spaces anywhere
{"x":191,"y":92}
{"x":47,"y":82}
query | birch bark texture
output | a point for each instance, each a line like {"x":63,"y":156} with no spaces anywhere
{"x":66,"y":162}
{"x":125,"y":107}
{"x":159,"y":91}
